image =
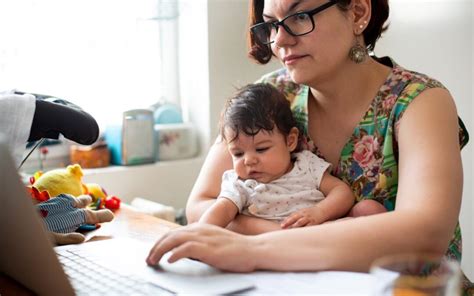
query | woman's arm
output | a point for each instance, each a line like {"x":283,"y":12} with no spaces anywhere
{"x":207,"y":188}
{"x":337,"y":202}
{"x":426,"y":213}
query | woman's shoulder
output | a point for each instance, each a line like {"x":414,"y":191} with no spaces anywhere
{"x":402,"y":87}
{"x":407,"y":84}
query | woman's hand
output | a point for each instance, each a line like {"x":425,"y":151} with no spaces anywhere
{"x":210,"y":244}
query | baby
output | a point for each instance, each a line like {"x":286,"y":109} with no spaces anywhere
{"x":271,"y":178}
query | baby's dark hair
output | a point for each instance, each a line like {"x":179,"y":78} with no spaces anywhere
{"x":256,"y":107}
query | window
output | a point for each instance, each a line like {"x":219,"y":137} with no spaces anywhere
{"x":106,"y":56}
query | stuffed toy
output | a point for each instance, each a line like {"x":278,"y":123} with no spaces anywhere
{"x":56,"y":182}
{"x":69,"y":181}
{"x":100,"y":198}
{"x":61,"y":193}
{"x":64,"y":214}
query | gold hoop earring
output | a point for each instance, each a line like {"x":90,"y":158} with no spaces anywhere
{"x":357,"y":53}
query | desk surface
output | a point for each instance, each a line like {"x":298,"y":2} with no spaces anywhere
{"x":130,"y":223}
{"x":127,"y":223}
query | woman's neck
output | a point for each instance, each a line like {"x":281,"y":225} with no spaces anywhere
{"x":353,"y":89}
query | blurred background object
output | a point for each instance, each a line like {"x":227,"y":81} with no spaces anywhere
{"x":93,"y":156}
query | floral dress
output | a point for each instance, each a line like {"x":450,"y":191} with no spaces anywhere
{"x":368,"y":161}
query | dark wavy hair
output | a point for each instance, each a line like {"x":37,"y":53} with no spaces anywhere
{"x":376,"y":26}
{"x":256,"y":107}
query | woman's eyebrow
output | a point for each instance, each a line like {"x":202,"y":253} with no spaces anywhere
{"x":289,"y":10}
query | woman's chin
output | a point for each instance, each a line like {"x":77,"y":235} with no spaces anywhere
{"x":298,"y":77}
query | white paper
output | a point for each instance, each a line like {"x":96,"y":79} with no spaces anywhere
{"x":311,"y":283}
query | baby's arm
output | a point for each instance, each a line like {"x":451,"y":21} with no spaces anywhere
{"x":338,"y":201}
{"x":221,"y":213}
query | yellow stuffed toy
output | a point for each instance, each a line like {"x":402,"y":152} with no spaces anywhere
{"x":56,"y":182}
{"x":69,"y":181}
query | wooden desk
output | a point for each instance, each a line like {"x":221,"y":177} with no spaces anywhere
{"x":127,"y":223}
{"x":132,"y":224}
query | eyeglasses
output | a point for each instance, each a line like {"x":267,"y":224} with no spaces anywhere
{"x":297,"y":24}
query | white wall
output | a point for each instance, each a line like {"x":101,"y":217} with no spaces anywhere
{"x":435,"y":37}
{"x":229,"y":66}
{"x":194,"y":65}
{"x":166,"y":182}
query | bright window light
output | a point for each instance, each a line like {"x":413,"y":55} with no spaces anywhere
{"x":103,"y":55}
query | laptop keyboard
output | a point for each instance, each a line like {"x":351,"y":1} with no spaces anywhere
{"x":89,"y":278}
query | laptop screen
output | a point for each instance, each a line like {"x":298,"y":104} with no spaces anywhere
{"x":26,"y":254}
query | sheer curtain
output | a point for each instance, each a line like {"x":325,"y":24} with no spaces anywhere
{"x":106,"y":56}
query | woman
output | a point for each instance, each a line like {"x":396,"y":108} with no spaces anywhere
{"x":393,"y":135}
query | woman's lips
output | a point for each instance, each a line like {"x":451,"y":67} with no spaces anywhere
{"x":292,"y":59}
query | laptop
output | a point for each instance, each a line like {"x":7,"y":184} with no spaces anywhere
{"x":115,"y":266}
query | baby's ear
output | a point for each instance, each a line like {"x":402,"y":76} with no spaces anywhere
{"x":292,"y":139}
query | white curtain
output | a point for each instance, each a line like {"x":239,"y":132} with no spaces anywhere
{"x":104,"y":55}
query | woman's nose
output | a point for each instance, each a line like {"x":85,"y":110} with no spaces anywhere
{"x":283,"y":38}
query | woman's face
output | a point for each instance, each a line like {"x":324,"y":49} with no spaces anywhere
{"x":316,"y":56}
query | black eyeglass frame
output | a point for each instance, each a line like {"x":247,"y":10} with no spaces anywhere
{"x":277,"y":24}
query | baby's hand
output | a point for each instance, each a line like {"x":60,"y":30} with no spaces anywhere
{"x":304,"y":217}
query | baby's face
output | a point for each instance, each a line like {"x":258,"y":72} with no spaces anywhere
{"x":264,"y":158}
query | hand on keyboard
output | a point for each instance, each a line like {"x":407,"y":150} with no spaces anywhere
{"x":186,"y":266}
